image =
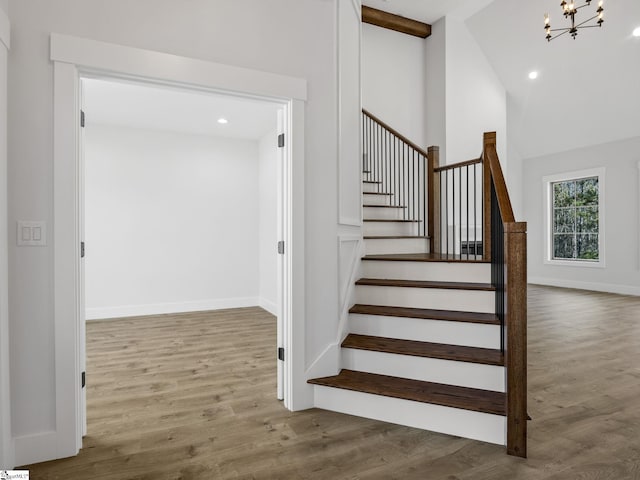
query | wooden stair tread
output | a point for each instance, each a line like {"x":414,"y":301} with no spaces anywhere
{"x":371,"y":181}
{"x":459,"y":353}
{"x":427,"y":314}
{"x":381,"y":206}
{"x":390,"y":220}
{"x":425,"y":257}
{"x":385,"y":282}
{"x":466,"y":398}
{"x":376,"y":193}
{"x":394,"y":237}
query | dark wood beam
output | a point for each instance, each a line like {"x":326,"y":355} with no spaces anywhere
{"x":395,"y":22}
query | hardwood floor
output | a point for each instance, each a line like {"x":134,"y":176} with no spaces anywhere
{"x":192,"y":396}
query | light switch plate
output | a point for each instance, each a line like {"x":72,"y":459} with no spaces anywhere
{"x":32,"y":234}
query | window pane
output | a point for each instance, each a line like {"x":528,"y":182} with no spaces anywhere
{"x":564,"y":246}
{"x":564,"y":220}
{"x":587,"y":191}
{"x":587,"y":219}
{"x":564,"y":194}
{"x":587,"y":247}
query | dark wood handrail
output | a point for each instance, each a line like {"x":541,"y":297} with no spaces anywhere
{"x":395,"y":132}
{"x":475,"y":161}
{"x":504,"y":202}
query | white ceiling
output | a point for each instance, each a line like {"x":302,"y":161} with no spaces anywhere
{"x":162,"y":108}
{"x":588,"y":90}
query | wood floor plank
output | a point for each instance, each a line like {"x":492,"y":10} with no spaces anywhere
{"x":223,"y":421}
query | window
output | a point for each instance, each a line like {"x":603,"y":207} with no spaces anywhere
{"x":575,"y":218}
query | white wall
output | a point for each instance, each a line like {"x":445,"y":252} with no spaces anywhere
{"x":268,"y":222}
{"x":435,"y":89}
{"x":464,"y":97}
{"x":171,"y":222}
{"x":393,"y":80}
{"x":6,"y":447}
{"x":514,"y":174}
{"x":621,"y":236}
{"x":290,"y":37}
{"x":476,"y":99}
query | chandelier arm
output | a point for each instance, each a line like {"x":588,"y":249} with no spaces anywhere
{"x":582,"y":6}
{"x":580,"y":24}
{"x":566,"y":30}
{"x":591,"y":26}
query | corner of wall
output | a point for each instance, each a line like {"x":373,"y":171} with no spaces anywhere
{"x":7,"y":447}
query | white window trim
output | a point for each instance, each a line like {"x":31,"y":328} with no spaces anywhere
{"x":547,"y":200}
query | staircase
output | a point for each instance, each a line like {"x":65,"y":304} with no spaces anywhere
{"x":426,"y":336}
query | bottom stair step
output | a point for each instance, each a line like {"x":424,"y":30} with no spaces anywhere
{"x":474,"y":399}
{"x":460,"y":411}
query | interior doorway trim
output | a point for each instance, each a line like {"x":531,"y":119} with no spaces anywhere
{"x":74,"y":57}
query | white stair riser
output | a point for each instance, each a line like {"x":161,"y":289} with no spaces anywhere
{"x":383,"y":213}
{"x":375,"y":199}
{"x":370,"y":187}
{"x":452,"y":421}
{"x":380,"y":246}
{"x":390,"y":228}
{"x":463,"y":374}
{"x":438,"y":271}
{"x":435,"y":331}
{"x":441,"y":299}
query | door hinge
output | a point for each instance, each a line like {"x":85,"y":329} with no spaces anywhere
{"x":81,"y":249}
{"x":84,"y":379}
{"x":281,"y":353}
{"x":82,"y":118}
{"x":281,"y":247}
{"x":281,"y":140}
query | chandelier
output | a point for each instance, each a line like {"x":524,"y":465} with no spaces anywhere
{"x":569,"y":10}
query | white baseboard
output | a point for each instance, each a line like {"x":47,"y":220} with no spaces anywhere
{"x":36,"y":448}
{"x":97,"y":313}
{"x":269,"y":306}
{"x":594,"y":286}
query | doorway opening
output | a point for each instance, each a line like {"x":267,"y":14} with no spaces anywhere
{"x":181,"y":204}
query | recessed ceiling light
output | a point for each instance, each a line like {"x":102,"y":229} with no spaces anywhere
{"x":223,"y":120}
{"x":533,"y":75}
{"x":636,"y":32}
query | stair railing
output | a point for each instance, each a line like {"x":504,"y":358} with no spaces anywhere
{"x":456,"y":213}
{"x":396,"y":166}
{"x":508,"y":247}
{"x":469,"y":201}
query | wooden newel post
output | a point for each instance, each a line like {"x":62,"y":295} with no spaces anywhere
{"x":489,"y":141}
{"x":515,"y":248}
{"x":433,"y":195}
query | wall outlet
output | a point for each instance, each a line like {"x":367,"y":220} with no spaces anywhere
{"x":32,"y":234}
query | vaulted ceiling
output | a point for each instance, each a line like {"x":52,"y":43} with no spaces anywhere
{"x":588,"y":89}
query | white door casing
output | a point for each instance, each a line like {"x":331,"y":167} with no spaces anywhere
{"x":74,"y":57}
